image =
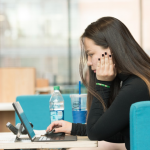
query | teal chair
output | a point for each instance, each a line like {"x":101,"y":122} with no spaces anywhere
{"x":140,"y":126}
{"x":36,"y":108}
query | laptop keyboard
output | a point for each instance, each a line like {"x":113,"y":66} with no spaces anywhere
{"x":24,"y":139}
{"x":44,"y":138}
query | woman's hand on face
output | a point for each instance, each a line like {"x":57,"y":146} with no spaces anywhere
{"x":105,"y":70}
{"x":60,"y":126}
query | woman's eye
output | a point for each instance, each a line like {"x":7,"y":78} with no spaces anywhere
{"x":90,"y":55}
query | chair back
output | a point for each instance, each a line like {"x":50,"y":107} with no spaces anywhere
{"x":140,"y":126}
{"x":36,"y":108}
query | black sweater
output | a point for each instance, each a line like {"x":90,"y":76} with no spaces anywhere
{"x":113,"y":125}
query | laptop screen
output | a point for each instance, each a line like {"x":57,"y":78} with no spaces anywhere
{"x":24,"y":119}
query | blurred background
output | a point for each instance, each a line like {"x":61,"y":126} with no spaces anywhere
{"x":44,"y":34}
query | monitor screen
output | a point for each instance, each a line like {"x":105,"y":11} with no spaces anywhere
{"x":24,"y":119}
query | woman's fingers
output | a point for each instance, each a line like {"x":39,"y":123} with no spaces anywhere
{"x":112,"y":66}
{"x":60,"y":126}
{"x":53,"y":125}
{"x":111,"y":63}
{"x":110,"y":60}
{"x":61,"y":129}
{"x":66,"y":127}
{"x":106,"y":70}
{"x":98,"y":63}
{"x":106,"y":62}
{"x":102,"y":61}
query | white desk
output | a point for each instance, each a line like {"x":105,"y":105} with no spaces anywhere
{"x":6,"y":107}
{"x":7,"y":142}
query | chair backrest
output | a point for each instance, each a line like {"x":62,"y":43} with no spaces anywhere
{"x":140,"y":126}
{"x":36,"y":108}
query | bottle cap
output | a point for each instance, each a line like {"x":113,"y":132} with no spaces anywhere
{"x":56,"y":87}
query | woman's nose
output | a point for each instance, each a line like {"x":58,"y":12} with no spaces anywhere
{"x":89,"y":62}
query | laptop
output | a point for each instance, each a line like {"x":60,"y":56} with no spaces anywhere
{"x":43,"y":138}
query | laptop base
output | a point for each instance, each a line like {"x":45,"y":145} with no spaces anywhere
{"x":55,"y":138}
{"x":48,"y":139}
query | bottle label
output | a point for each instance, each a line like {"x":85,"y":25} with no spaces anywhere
{"x":57,"y":115}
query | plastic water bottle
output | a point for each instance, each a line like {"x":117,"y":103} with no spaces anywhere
{"x":56,"y":105}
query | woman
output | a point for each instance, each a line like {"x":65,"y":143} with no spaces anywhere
{"x":119,"y":75}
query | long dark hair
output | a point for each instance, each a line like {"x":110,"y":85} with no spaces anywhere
{"x":128,"y":56}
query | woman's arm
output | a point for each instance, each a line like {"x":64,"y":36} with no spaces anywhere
{"x":116,"y":118}
{"x":80,"y":129}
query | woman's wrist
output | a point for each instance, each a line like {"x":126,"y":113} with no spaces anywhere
{"x":73,"y":130}
{"x":104,"y":82}
{"x":104,"y":85}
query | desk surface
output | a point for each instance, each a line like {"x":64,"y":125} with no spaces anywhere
{"x":7,"y":142}
{"x":6,"y":107}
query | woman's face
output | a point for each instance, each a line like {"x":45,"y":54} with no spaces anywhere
{"x":94,"y":52}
